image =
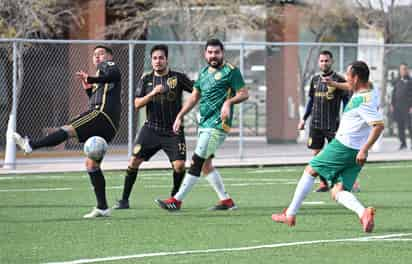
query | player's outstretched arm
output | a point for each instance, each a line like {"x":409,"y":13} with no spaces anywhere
{"x":188,"y":105}
{"x":339,"y":85}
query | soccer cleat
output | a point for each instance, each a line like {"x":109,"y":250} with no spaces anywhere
{"x":98,"y":213}
{"x":283,"y":218}
{"x":368,"y":219}
{"x":122,"y":204}
{"x":23,"y":143}
{"x":224,"y":205}
{"x":171,"y":204}
{"x":322,"y":187}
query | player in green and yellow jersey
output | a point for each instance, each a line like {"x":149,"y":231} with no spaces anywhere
{"x":219,"y":86}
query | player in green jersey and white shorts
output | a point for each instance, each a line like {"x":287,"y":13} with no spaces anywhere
{"x":342,"y":160}
{"x":219,"y":86}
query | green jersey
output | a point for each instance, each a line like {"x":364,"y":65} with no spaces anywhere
{"x":215,"y":86}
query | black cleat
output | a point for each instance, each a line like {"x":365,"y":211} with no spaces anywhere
{"x":322,"y":189}
{"x":171,"y":204}
{"x":122,"y":204}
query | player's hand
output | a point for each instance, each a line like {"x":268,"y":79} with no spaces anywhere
{"x":177,"y":125}
{"x":82,"y":75}
{"x":327,"y":80}
{"x":361,"y":157}
{"x":301,"y":125}
{"x":225,"y":112}
{"x":158,"y":89}
{"x":391,"y":108}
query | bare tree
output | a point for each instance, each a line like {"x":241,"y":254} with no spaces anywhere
{"x":322,"y":19}
{"x":391,"y":19}
{"x":201,"y":19}
{"x":36,"y":19}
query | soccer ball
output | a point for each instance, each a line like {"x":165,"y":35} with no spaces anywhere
{"x":95,"y":148}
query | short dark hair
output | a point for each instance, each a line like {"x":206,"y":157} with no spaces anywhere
{"x":360,"y":69}
{"x":214,"y":42}
{"x":161,"y":47}
{"x":327,"y":53}
{"x":106,"y":48}
{"x":404,"y":64}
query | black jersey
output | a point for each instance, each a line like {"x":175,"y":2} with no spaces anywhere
{"x":104,"y":96}
{"x":162,"y":110}
{"x":326,"y":102}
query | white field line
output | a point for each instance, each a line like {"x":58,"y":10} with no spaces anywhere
{"x":218,"y":250}
{"x":37,"y":190}
{"x":147,"y":186}
{"x":313,"y":203}
{"x":149,"y":175}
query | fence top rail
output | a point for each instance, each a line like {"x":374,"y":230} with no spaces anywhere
{"x":236,"y":43}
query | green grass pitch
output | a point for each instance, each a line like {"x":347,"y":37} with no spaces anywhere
{"x":41,"y":220}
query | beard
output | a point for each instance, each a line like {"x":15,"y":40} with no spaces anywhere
{"x":215,"y":63}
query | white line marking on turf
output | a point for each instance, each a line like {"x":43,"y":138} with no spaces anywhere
{"x":314,"y":203}
{"x":36,"y":190}
{"x":217,"y":250}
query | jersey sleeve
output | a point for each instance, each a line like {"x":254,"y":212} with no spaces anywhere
{"x":369,"y":112}
{"x":140,"y":90}
{"x":187,"y":84}
{"x":107,"y":72}
{"x":236,"y":80}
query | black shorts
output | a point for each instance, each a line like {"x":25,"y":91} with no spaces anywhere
{"x":317,"y":137}
{"x":149,"y":142}
{"x":93,"y":123}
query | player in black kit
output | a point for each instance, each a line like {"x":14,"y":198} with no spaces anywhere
{"x":101,"y":119}
{"x":324,"y":106}
{"x":161,"y":91}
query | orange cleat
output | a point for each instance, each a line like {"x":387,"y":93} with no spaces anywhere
{"x":368,"y":219}
{"x":283,"y":218}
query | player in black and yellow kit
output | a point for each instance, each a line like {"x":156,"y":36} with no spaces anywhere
{"x":161,"y":91}
{"x":101,"y":119}
{"x":324,"y":106}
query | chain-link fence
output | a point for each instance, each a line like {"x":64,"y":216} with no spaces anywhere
{"x":277,"y":75}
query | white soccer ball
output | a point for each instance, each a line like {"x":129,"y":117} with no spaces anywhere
{"x":95,"y":148}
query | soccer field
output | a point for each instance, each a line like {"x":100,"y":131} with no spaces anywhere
{"x":41,"y":220}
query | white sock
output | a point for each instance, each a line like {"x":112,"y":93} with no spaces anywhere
{"x":349,"y":200}
{"x":216,"y":181}
{"x":304,"y":186}
{"x":188,"y":182}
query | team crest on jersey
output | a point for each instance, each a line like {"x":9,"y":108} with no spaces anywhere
{"x":218,"y":76}
{"x":172,"y":82}
{"x":329,"y":94}
{"x":137,"y":149}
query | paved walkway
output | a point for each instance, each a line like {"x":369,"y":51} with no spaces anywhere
{"x":256,"y":153}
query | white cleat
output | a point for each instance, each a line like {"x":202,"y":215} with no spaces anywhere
{"x":23,"y":143}
{"x":98,"y":213}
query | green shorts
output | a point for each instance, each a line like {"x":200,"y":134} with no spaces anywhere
{"x":209,"y":140}
{"x":337,"y":163}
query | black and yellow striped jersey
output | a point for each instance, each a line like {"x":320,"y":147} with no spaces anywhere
{"x":105,"y":93}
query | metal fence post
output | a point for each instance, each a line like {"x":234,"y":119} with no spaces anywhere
{"x":341,"y":57}
{"x":241,"y":67}
{"x":10,"y":155}
{"x":131,"y":103}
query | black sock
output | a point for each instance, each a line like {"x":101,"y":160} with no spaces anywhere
{"x":129,"y":180}
{"x":177,"y":181}
{"x":51,"y":140}
{"x":99,"y":184}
